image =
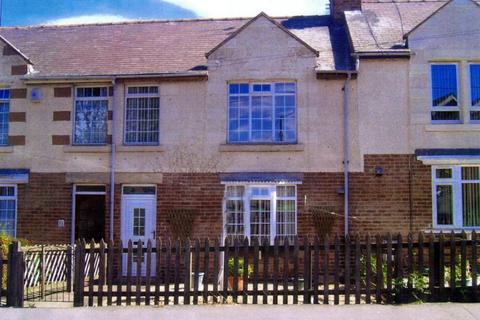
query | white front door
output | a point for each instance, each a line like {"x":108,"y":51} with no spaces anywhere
{"x":138,"y":224}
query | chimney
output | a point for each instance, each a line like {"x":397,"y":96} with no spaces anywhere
{"x":337,"y":7}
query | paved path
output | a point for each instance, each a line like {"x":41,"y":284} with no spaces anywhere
{"x":447,"y":311}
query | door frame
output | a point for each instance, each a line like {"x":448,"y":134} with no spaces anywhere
{"x":126,"y":197}
{"x":74,"y":203}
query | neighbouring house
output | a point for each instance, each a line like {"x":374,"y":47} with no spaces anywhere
{"x":243,"y":127}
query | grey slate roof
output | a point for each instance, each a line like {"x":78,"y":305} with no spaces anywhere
{"x":381,"y":24}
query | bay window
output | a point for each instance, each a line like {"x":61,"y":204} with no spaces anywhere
{"x":91,"y":113}
{"x":262,"y":113}
{"x":456,"y":196}
{"x":260,"y":212}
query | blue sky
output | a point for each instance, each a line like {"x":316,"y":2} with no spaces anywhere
{"x":34,"y":12}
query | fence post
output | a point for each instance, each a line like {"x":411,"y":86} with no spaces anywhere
{"x":79,"y":274}
{"x":69,"y":268}
{"x":15,"y":276}
{"x":42,"y":272}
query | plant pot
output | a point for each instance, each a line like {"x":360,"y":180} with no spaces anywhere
{"x":239,"y":283}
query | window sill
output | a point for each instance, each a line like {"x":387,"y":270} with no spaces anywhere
{"x":452,"y":127}
{"x":261,"y":147}
{"x":139,"y":148}
{"x":6,"y":149}
{"x":87,"y":149}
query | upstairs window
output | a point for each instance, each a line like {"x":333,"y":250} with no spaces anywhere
{"x":262,"y":113}
{"x":474,"y":111}
{"x":4,"y":110}
{"x":142,"y":111}
{"x":91,"y":114}
{"x":445,"y":103}
{"x":456,"y":196}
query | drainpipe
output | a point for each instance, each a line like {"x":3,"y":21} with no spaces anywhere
{"x":346,"y":156}
{"x":112,"y":163}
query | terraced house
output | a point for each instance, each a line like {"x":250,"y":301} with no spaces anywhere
{"x":370,"y":115}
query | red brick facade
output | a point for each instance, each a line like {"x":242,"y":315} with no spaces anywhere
{"x":377,"y":203}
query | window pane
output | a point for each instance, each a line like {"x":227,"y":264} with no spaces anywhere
{"x":260,"y":220}
{"x":139,"y":222}
{"x":444,"y":204}
{"x":475,"y":84}
{"x":445,"y":115}
{"x":138,"y":190}
{"x":286,"y":218}
{"x":234,"y":219}
{"x":286,"y":191}
{"x":234,"y":191}
{"x":90,"y":188}
{"x":90,"y":122}
{"x":471,"y":204}
{"x":7,"y":216}
{"x":7,"y":191}
{"x":444,"y":85}
{"x":443,"y":173}
{"x":470,"y":173}
{"x":4,"y":110}
{"x":253,"y":117}
{"x":142,"y":118}
{"x":475,"y":115}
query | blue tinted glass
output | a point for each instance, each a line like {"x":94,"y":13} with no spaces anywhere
{"x":4,"y":94}
{"x":475,"y":84}
{"x":233,"y":88}
{"x":444,"y":85}
{"x":257,"y":87}
{"x":244,"y":88}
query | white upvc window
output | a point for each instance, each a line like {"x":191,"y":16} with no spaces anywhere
{"x":262,"y":112}
{"x":8,"y":210}
{"x":474,"y":112}
{"x":456,"y":196}
{"x":4,"y":111}
{"x":444,"y":102}
{"x":91,"y":114}
{"x":260,"y":212}
{"x":142,"y":115}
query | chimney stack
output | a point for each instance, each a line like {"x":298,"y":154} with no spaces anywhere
{"x":337,"y":7}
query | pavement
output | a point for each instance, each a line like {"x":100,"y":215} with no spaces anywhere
{"x":447,"y":311}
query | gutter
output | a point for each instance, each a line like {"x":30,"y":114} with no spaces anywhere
{"x":346,"y":151}
{"x":112,"y":163}
{"x":108,"y":78}
{"x":382,"y":54}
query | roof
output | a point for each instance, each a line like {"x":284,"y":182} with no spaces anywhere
{"x":157,"y":47}
{"x":262,"y":177}
{"x":382,"y":24}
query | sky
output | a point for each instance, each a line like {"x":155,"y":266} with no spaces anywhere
{"x":35,"y":12}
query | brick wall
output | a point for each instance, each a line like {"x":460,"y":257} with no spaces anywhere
{"x":41,"y":203}
{"x":377,"y":203}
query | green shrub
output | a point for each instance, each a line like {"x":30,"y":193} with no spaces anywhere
{"x":5,"y":241}
{"x":240,"y":267}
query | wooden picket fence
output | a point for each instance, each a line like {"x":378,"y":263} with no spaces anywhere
{"x":339,"y":270}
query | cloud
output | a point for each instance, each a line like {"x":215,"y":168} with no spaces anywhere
{"x":87,"y":19}
{"x":244,"y":8}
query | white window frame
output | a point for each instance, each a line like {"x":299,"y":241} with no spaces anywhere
{"x":470,"y":106}
{"x":140,"y":95}
{"x":247,"y":197}
{"x":74,"y":121}
{"x":251,"y":94}
{"x":14,"y":197}
{"x":433,"y":108}
{"x":456,"y":183}
{"x":7,"y":124}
